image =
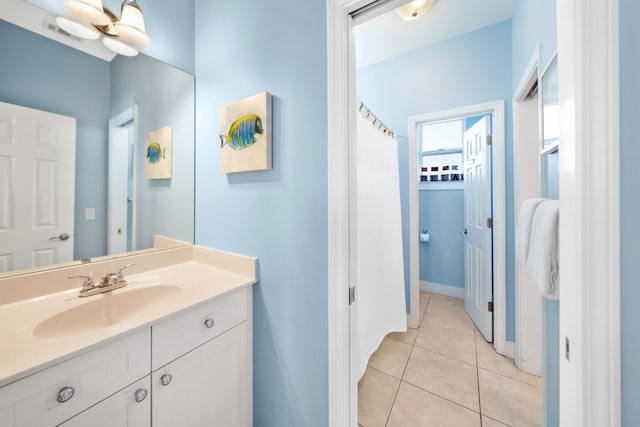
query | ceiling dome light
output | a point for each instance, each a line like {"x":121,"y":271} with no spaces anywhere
{"x":90,"y":11}
{"x":130,"y":27}
{"x":414,"y":9}
{"x":77,"y":29}
{"x":119,"y":47}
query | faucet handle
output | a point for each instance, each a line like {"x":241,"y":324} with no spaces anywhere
{"x":124,"y":267}
{"x":88,"y":281}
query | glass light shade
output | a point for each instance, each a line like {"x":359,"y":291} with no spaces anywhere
{"x":414,"y":9}
{"x":89,"y":11}
{"x":130,"y":27}
{"x":77,"y":29}
{"x":119,"y":47}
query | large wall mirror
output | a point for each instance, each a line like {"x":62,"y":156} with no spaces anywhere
{"x":550,"y":136}
{"x":112,"y":206}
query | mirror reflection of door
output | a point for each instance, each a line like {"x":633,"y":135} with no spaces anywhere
{"x":37,"y":163}
{"x":121,"y":211}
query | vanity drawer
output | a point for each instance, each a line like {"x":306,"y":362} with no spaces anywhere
{"x":35,"y":400}
{"x":178,"y":335}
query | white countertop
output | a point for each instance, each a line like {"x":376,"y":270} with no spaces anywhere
{"x":23,"y":353}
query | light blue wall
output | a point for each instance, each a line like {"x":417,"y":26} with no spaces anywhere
{"x":165,"y":96}
{"x":442,"y":259}
{"x":470,"y":69}
{"x":39,"y":73}
{"x":279,"y":216}
{"x":534,"y":24}
{"x":629,"y":207}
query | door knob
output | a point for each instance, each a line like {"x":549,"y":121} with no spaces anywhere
{"x":62,"y":236}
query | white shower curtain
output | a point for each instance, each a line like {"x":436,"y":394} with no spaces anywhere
{"x":380,"y":294}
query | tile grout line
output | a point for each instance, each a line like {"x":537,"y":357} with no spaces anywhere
{"x":508,"y":376}
{"x":475,"y":346}
{"x":442,"y":397}
{"x":442,"y":355}
{"x":405,"y":366}
{"x":449,"y":356}
{"x":398,"y":390}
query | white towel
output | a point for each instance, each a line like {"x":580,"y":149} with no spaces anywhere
{"x":523,"y":228}
{"x":542,"y":261}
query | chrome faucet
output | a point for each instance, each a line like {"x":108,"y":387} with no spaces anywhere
{"x":108,"y":283}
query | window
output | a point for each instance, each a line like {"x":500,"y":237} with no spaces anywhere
{"x":441,"y":147}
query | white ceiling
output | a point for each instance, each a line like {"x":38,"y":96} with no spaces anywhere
{"x":388,"y":36}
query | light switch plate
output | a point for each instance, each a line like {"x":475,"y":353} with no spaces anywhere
{"x":89,"y":214}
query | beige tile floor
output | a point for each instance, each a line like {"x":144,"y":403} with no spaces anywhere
{"x":445,"y":374}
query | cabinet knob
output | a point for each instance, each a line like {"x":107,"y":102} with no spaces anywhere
{"x":140,"y":394}
{"x":165,"y":379}
{"x":209,"y":323}
{"x":65,"y":394}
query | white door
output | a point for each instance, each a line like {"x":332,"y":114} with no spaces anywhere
{"x":37,"y":187}
{"x":477,"y":205}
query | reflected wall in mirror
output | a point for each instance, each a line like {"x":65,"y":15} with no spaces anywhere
{"x":550,"y":105}
{"x":41,"y":74}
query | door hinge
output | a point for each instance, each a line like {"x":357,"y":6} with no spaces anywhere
{"x":489,"y":222}
{"x":566,"y":348}
{"x":489,"y":139}
{"x":352,"y":294}
{"x":490,"y":306}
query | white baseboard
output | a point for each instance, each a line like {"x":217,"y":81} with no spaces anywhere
{"x":437,"y":288}
{"x":506,"y":349}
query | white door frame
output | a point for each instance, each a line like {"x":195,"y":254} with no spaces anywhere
{"x":526,"y":184}
{"x":497,"y":110}
{"x":588,"y":66}
{"x":128,"y":115}
{"x":588,"y":51}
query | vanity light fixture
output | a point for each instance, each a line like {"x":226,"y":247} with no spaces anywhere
{"x":90,"y":20}
{"x":414,"y":9}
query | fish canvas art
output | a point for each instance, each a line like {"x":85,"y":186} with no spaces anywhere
{"x":245,"y":135}
{"x":158,"y":154}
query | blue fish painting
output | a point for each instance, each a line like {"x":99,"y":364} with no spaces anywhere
{"x":155,"y":152}
{"x":243,"y":132}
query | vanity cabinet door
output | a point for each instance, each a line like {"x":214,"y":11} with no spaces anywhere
{"x":130,"y":407}
{"x":208,"y":386}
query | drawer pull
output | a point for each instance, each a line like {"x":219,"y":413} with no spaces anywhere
{"x":65,"y":394}
{"x":209,"y":323}
{"x":140,"y":395}
{"x":165,"y":379}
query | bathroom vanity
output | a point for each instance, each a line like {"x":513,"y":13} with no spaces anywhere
{"x":171,"y":348}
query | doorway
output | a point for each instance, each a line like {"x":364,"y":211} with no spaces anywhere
{"x":121,"y":234}
{"x":455,"y":212}
{"x":587,"y":63}
{"x":476,"y":301}
{"x":411,"y":178}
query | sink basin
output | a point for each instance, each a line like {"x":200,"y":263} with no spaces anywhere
{"x":104,"y":310}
